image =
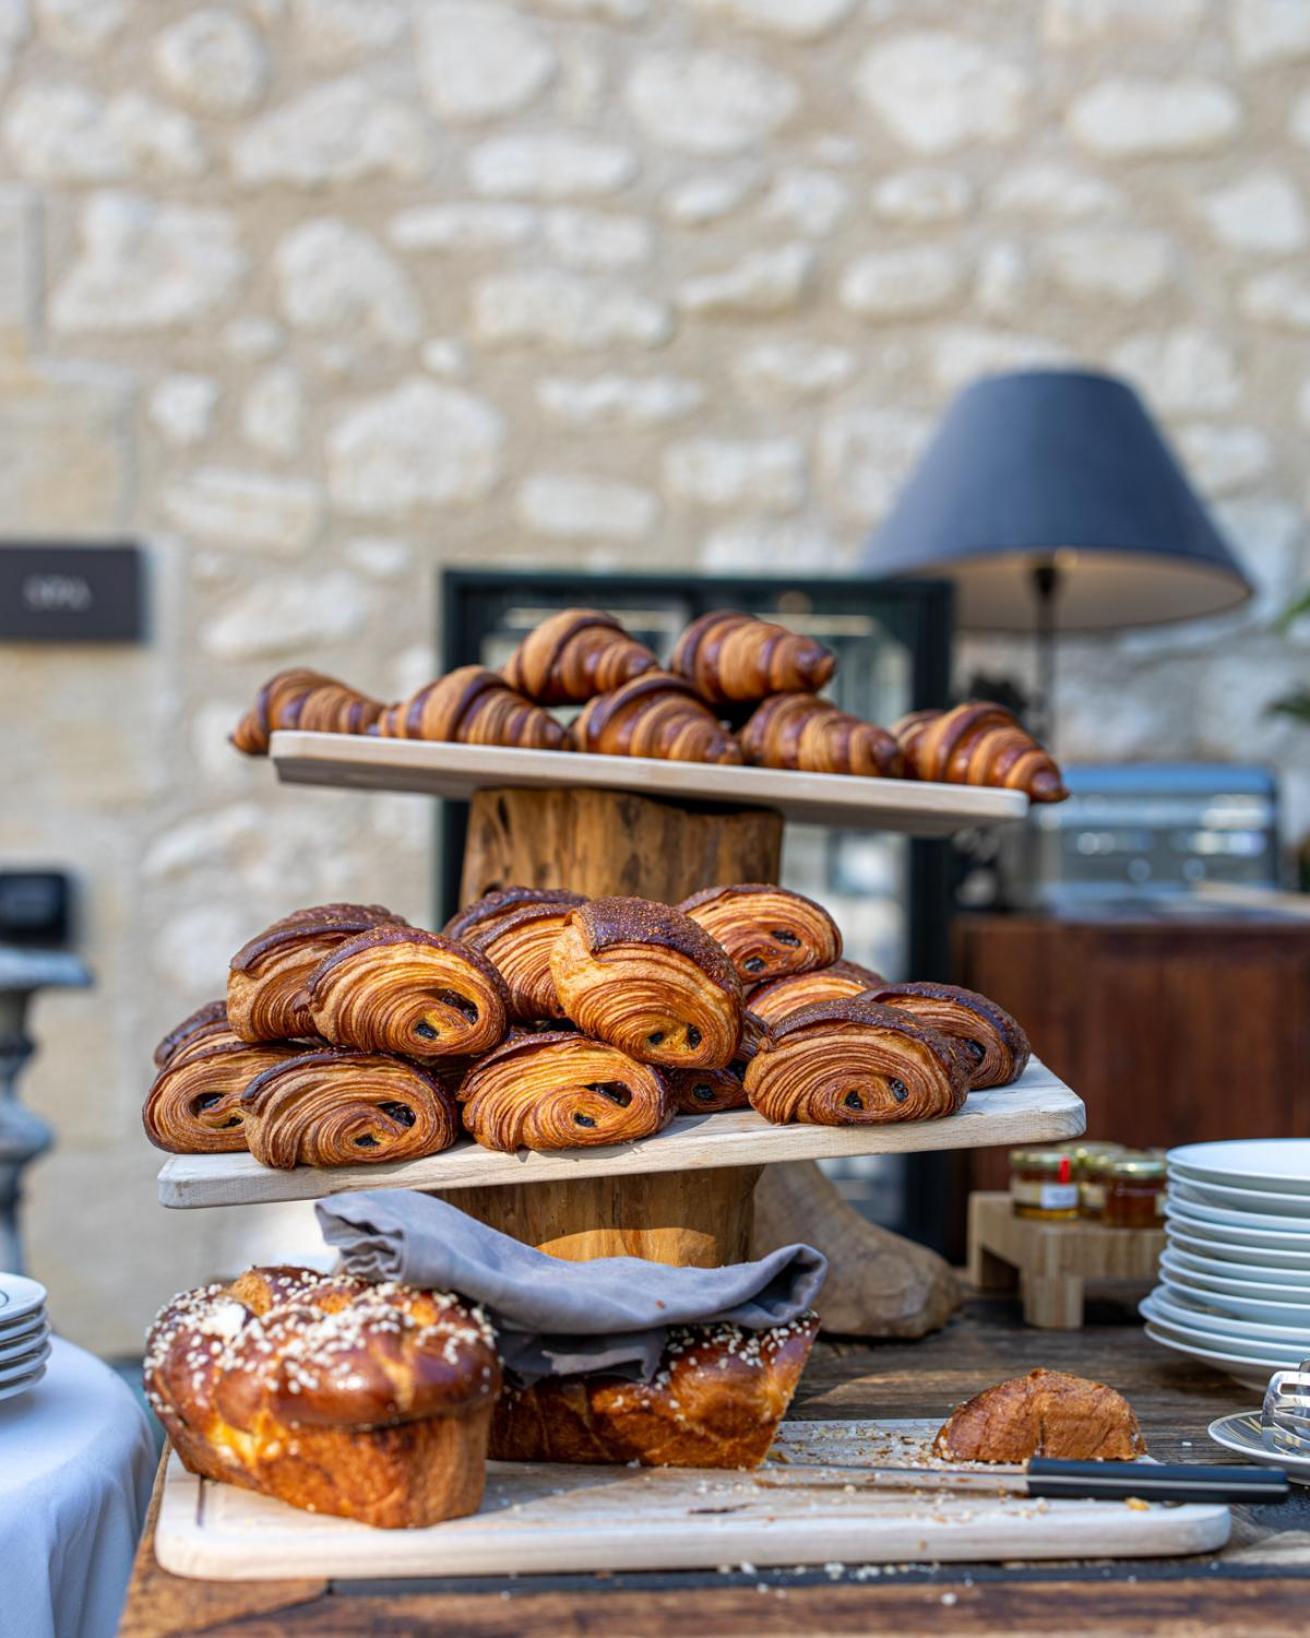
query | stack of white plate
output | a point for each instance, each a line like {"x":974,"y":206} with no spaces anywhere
{"x":1235,"y":1277}
{"x":24,"y":1334}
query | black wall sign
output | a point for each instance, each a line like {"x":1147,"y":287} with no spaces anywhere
{"x":71,"y":594}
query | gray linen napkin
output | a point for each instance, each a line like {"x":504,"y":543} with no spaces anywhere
{"x":557,"y":1318}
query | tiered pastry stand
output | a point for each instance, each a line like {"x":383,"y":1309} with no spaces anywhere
{"x":662,"y":830}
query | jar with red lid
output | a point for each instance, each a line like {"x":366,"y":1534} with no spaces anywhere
{"x":1043,"y":1185}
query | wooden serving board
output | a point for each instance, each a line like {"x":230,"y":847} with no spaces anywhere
{"x":549,"y":1518}
{"x":1038,"y":1108}
{"x":917,"y":808}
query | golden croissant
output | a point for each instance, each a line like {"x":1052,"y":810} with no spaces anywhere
{"x":803,"y":732}
{"x":400,"y":989}
{"x":194,"y":1106}
{"x":780,"y":996}
{"x":767,"y":931}
{"x":494,"y":906}
{"x":473,"y":706}
{"x":707,"y":1091}
{"x":731,"y":656}
{"x":656,"y":715}
{"x":978,"y":744}
{"x":575,"y":655}
{"x":996,"y":1048}
{"x":649,"y":981}
{"x":562,"y":1091}
{"x":855,"y":1063}
{"x":266,"y":980}
{"x":339,"y":1107}
{"x":518,"y":945}
{"x":307,"y":700}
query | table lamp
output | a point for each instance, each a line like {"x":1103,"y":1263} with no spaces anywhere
{"x":1052,"y":501}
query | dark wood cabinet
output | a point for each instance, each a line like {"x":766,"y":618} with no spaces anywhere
{"x":1169,"y":1033}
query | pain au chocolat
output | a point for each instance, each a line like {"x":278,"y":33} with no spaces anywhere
{"x":339,"y":1107}
{"x":766,"y":930}
{"x":501,"y":902}
{"x":575,"y":655}
{"x":855,"y":1063}
{"x":558,"y":1090}
{"x":996,"y":1048}
{"x":774,"y":1000}
{"x":266,"y":980}
{"x":371,"y":1402}
{"x":716,"y":1401}
{"x":726,"y":656}
{"x":400,"y":989}
{"x":707,"y":1091}
{"x":518,"y":944}
{"x":194,"y":1104}
{"x":648,"y":980}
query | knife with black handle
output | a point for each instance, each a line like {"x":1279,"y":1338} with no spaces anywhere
{"x":1046,"y":1478}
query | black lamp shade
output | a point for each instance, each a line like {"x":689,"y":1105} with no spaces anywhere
{"x":1063,"y":467}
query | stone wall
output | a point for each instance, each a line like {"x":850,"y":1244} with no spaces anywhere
{"x":314,"y":296}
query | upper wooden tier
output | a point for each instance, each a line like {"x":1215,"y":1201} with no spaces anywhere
{"x":1038,"y":1108}
{"x":359,"y":762}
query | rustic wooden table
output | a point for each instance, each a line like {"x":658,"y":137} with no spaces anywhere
{"x":1260,"y":1583}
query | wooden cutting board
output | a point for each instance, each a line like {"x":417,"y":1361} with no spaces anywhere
{"x":805,"y":1506}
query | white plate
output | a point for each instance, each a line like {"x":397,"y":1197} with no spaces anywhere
{"x":1243,"y":1228}
{"x":1241,"y":1432}
{"x":1252,"y":1163}
{"x":1246,"y":1201}
{"x":11,"y":1390}
{"x":17,"y":1372}
{"x":1263,"y":1285}
{"x":19,"y":1296}
{"x":1240,"y":1262}
{"x":1251,"y":1372}
{"x":14,"y":1345}
{"x":1191,"y":1314}
{"x":1242,"y":1306}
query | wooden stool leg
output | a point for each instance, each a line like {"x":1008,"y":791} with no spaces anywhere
{"x":1053,"y":1302}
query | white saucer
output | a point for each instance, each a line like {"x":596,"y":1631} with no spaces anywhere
{"x":1191,"y":1314}
{"x":34,"y":1363}
{"x":1246,"y":1201}
{"x":1264,"y":1285}
{"x":13,"y":1345}
{"x":11,"y":1390}
{"x":1241,"y":1432}
{"x":1242,"y":1305}
{"x":1251,"y":1373}
{"x":19,"y":1296}
{"x":1192,"y":1238}
{"x":1203,"y":1258}
{"x":1246,"y":1228}
{"x":1251,"y":1163}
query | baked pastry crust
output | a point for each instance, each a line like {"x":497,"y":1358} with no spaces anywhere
{"x":369,"y":1402}
{"x":205,"y":1022}
{"x":574,"y":655}
{"x":802,"y":731}
{"x":304,"y":699}
{"x":648,"y":980}
{"x":194,"y":1104}
{"x":997,"y":1050}
{"x":267,"y":976}
{"x":854,"y":1063}
{"x":766,"y":930}
{"x":518,"y":944}
{"x":400,"y":989}
{"x":339,"y":1107}
{"x":1046,"y":1413}
{"x":501,"y":902}
{"x":707,"y":1091}
{"x":727,"y":655}
{"x":473,"y":706}
{"x":774,"y":1000}
{"x":978,"y":743}
{"x":657,"y":715}
{"x":716,"y":1402}
{"x":562,"y":1091}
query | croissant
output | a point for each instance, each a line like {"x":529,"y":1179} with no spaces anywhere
{"x":339,"y":1107}
{"x":201,"y":1025}
{"x":996,"y":1048}
{"x":562,"y":1091}
{"x":649,"y":981}
{"x":473,"y":706}
{"x":303,"y":699}
{"x":782,"y":996}
{"x":767,"y":931}
{"x":707,"y":1091}
{"x":399,"y":989}
{"x":656,"y":715}
{"x":1046,"y":1413}
{"x":518,"y":946}
{"x":978,"y":744}
{"x":575,"y":655}
{"x":804,"y":732}
{"x":715,"y":1401}
{"x":854,"y":1063}
{"x":502,"y":902}
{"x":730,"y":656}
{"x":193,"y":1106}
{"x":267,"y":975}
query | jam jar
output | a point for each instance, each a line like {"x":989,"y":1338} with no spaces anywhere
{"x":1042,"y":1184}
{"x":1089,"y":1163}
{"x":1134,"y":1190}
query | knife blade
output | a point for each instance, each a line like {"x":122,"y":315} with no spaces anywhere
{"x":1046,"y":1478}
